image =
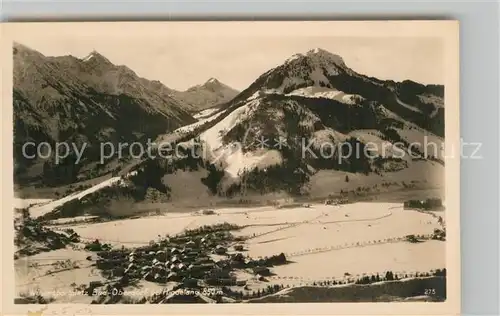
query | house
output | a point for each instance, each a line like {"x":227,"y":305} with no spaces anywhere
{"x":158,"y":268}
{"x":237,"y":260}
{"x":434,"y":203}
{"x":211,"y":280}
{"x":219,"y":273}
{"x":262,"y":271}
{"x":208,"y":212}
{"x":413,"y":204}
{"x":159,"y":278}
{"x":196,"y":271}
{"x":189,"y":258}
{"x":203,"y":260}
{"x":190,"y":282}
{"x":237,"y":264}
{"x":277,"y":259}
{"x":423,"y":204}
{"x":174,"y":251}
{"x":118,"y":271}
{"x":343,"y":200}
{"x":159,"y":265}
{"x":167,"y":271}
{"x":161,"y":255}
{"x":238,"y":257}
{"x":227,"y":282}
{"x":182,"y":239}
{"x":260,"y":278}
{"x":220,"y":250}
{"x":238,"y":248}
{"x":173,"y":267}
{"x":241,"y":282}
{"x":149,"y":276}
{"x":172,"y":276}
{"x":206,"y":266}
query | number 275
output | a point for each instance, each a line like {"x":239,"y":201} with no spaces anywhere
{"x":430,"y":291}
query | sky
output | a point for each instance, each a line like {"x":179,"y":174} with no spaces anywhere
{"x":181,"y":59}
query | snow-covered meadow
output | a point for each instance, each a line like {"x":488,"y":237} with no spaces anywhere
{"x":321,"y":240}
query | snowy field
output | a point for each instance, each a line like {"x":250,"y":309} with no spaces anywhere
{"x":342,"y":226}
{"x":46,"y":272}
{"x":148,"y":228}
{"x":24,"y":203}
{"x":321,"y":239}
{"x":43,"y":207}
{"x":401,"y":258}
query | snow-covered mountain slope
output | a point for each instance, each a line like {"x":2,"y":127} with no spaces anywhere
{"x":201,"y":121}
{"x":205,"y":113}
{"x":293,"y":119}
{"x":319,"y":74}
{"x":321,"y":92}
{"x":304,"y":70}
{"x":38,"y":211}
{"x":44,"y":208}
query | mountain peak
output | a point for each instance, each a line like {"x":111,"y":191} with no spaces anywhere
{"x":212,"y":81}
{"x":96,"y":56}
{"x":21,"y":46}
{"x":318,"y":50}
{"x":320,"y":54}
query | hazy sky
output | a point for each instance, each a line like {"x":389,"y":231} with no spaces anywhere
{"x":238,"y":59}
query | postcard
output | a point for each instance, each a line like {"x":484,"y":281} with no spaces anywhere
{"x":257,"y":167}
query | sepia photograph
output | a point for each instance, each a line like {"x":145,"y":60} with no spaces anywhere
{"x":233,"y":162}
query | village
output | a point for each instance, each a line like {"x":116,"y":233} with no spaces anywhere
{"x":201,"y":260}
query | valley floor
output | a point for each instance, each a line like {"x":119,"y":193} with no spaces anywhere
{"x":321,"y":242}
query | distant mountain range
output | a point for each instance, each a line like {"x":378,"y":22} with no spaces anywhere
{"x":210,"y":94}
{"x":92,"y":100}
